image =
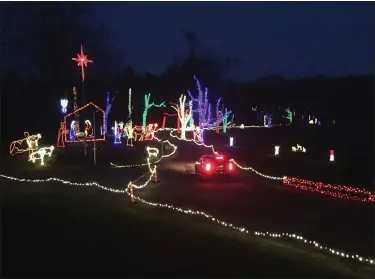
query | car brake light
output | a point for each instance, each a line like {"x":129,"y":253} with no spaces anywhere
{"x":230,"y":166}
{"x":219,"y":157}
{"x":208,"y":167}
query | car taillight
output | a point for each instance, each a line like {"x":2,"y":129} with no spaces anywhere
{"x":208,"y":167}
{"x":230,"y":166}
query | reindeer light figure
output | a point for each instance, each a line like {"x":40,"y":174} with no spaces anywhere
{"x":40,"y":154}
{"x":138,"y":133}
{"x":150,"y":131}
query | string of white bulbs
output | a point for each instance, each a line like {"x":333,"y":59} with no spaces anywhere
{"x":152,"y":171}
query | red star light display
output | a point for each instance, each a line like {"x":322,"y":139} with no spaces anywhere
{"x":82,"y":62}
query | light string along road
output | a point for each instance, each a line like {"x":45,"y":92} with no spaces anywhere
{"x":153,"y":152}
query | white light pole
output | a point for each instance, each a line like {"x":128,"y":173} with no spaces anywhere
{"x":94,"y":149}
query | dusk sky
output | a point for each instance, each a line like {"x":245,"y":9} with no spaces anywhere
{"x":289,"y":39}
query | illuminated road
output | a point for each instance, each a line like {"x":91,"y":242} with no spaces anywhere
{"x":263,"y":205}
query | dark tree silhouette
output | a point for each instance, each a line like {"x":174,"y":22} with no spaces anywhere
{"x":11,"y":39}
{"x":55,"y":33}
{"x":191,"y":40}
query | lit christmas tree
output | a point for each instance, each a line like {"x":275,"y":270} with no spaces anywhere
{"x":201,"y":105}
{"x":107,"y":110}
{"x":222,"y":116}
{"x":147,"y":107}
{"x":183,"y":114}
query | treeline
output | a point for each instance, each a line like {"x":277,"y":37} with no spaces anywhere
{"x":38,"y":40}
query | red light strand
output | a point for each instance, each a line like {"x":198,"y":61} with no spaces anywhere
{"x":336,"y":191}
{"x":82,"y":62}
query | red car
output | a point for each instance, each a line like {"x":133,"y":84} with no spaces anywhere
{"x":210,"y":165}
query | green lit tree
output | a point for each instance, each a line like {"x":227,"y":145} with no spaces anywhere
{"x":148,"y":105}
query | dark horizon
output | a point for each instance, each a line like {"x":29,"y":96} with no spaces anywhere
{"x":43,"y":38}
{"x":292,"y":40}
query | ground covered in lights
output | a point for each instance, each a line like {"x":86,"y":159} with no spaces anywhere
{"x":56,"y":230}
{"x":49,"y":227}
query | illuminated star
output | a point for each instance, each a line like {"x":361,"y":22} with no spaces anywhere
{"x":82,"y":62}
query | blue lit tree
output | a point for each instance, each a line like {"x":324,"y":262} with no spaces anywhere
{"x":201,"y":105}
{"x":202,"y":108}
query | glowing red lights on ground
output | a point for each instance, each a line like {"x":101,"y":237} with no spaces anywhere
{"x":339,"y":191}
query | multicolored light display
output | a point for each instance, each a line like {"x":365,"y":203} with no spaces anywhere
{"x":81,"y":136}
{"x":341,"y":192}
{"x":152,"y":170}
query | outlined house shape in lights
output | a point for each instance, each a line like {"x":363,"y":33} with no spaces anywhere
{"x":100,"y":119}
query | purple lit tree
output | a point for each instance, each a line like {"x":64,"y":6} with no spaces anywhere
{"x":201,"y":105}
{"x":202,"y":108}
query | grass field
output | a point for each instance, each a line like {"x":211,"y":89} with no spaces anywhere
{"x":255,"y":147}
{"x":53,"y":229}
{"x":57,"y":230}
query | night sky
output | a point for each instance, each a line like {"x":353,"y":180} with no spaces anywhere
{"x":289,"y":39}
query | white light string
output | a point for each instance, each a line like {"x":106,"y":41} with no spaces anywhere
{"x":157,"y":161}
{"x":257,"y":233}
{"x":193,"y":212}
{"x":238,"y":165}
{"x":309,"y":185}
